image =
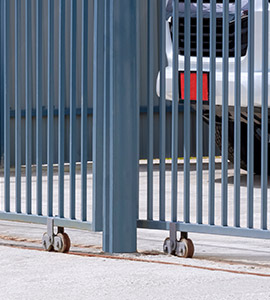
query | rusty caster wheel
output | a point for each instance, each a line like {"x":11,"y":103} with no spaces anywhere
{"x":47,"y":242}
{"x":187,"y":250}
{"x":167,"y":247}
{"x":61,"y":243}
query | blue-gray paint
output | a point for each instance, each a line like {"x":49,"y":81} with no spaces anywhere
{"x":174,"y":153}
{"x":18,"y":148}
{"x":237,"y":94}
{"x":39,"y":39}
{"x":61,"y":117}
{"x":123,"y":164}
{"x":264,"y":128}
{"x":187,"y":115}
{"x":84,"y":140}
{"x":7,"y":105}
{"x":162,"y":109}
{"x":250,"y":140}
{"x":2,"y":81}
{"x":98,"y":113}
{"x":150,"y":111}
{"x":72,"y":95}
{"x":212,"y":113}
{"x":225,"y":68}
{"x":50,"y":86}
{"x":199,"y":121}
{"x":39,"y":106}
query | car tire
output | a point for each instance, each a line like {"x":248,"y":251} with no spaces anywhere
{"x":243,"y":151}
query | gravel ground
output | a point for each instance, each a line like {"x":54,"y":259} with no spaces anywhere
{"x":29,"y":274}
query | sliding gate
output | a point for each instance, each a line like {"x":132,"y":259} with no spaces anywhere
{"x":63,"y":68}
{"x":59,"y":57}
{"x":213,"y":59}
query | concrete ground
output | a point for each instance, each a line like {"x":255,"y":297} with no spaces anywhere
{"x":222,"y":267}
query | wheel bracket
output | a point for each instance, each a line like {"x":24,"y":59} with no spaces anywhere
{"x":59,"y":242}
{"x":183,"y":247}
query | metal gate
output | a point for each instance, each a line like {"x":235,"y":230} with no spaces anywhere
{"x":47,"y":84}
{"x":213,"y":60}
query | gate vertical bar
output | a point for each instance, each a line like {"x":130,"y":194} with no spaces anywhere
{"x":138,"y":91}
{"x":162,"y":107}
{"x":2,"y":51}
{"x":237,"y":100}
{"x":28,"y":102}
{"x":72,"y":141}
{"x":84,"y":111}
{"x":50,"y":110}
{"x":39,"y":105}
{"x":199,"y":124}
{"x":100,"y":34}
{"x":61,"y":100}
{"x":6,"y":106}
{"x":106,"y":126}
{"x":187,"y":115}
{"x":175,"y":111}
{"x":18,"y":113}
{"x":123,"y":148}
{"x":150,"y":113}
{"x":225,"y":69}
{"x":250,"y":136}
{"x":211,"y":204}
{"x":264,"y":129}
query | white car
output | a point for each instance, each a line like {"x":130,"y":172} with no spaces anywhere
{"x":231,"y":75}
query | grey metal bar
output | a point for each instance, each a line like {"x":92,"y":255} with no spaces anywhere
{"x":6,"y":106}
{"x":212,"y":114}
{"x":175,"y":111}
{"x":162,"y":108}
{"x":50,"y":110}
{"x":187,"y":115}
{"x":199,"y":125}
{"x":98,"y":113}
{"x":39,"y":106}
{"x":28,"y":100}
{"x":206,"y":229}
{"x":61,"y":100}
{"x":106,"y":125}
{"x":237,"y":112}
{"x":250,"y":136}
{"x":225,"y":85}
{"x":264,"y":128}
{"x":138,"y":93}
{"x":18,"y":146}
{"x":150,"y":113}
{"x":72,"y":141}
{"x":84,"y":105}
{"x":2,"y":50}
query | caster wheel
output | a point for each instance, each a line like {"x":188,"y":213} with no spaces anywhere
{"x":167,"y":248}
{"x":188,"y":249}
{"x":61,"y":242}
{"x":47,"y":242}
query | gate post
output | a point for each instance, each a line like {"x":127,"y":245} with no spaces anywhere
{"x":120,"y":128}
{"x":2,"y":83}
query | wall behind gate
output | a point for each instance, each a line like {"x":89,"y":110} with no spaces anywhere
{"x":143,"y":80}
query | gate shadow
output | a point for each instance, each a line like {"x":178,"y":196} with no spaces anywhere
{"x":180,"y":166}
{"x":243,"y":180}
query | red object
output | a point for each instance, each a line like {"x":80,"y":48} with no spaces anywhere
{"x":193,"y":86}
